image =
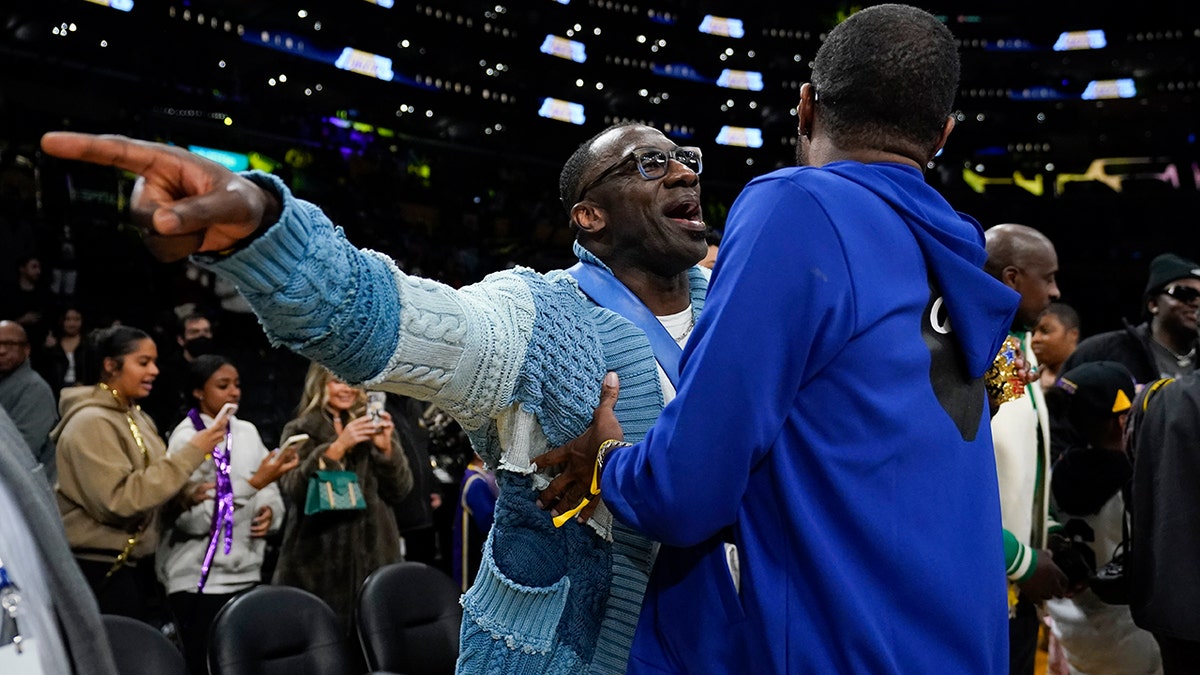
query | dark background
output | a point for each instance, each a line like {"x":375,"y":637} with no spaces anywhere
{"x":472,"y":186}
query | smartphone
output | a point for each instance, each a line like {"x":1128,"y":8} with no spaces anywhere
{"x":375,"y":402}
{"x":291,"y":440}
{"x":227,"y":410}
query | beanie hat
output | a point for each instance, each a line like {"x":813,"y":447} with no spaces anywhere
{"x":1098,"y":389}
{"x":1167,"y":268}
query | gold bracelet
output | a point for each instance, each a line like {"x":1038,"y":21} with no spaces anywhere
{"x":605,"y":447}
{"x":603,"y":451}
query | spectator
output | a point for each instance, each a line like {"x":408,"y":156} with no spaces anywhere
{"x":1165,"y":344}
{"x":200,"y":564}
{"x":473,"y":520}
{"x":115,"y":476}
{"x":26,"y":396}
{"x":1055,"y":337}
{"x":1089,"y":483}
{"x":1025,"y":260}
{"x":30,"y":304}
{"x":331,"y":553}
{"x":60,"y":361}
{"x":414,"y":513}
{"x":1164,"y":559}
{"x":170,"y":398}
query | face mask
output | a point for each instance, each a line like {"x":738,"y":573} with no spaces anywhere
{"x":199,"y":346}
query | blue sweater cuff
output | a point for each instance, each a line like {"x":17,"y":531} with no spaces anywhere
{"x":267,"y":262}
{"x":526,"y":618}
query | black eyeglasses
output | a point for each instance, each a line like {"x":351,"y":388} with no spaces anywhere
{"x":1185,"y":294}
{"x":651,"y":163}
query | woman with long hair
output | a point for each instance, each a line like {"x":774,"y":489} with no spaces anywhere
{"x":331,"y":552}
{"x":60,"y":359}
{"x":114,"y":473}
{"x":204,"y":561}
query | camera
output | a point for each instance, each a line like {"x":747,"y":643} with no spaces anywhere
{"x":1071,"y":552}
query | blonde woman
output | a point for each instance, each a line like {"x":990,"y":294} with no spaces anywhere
{"x":330,"y":553}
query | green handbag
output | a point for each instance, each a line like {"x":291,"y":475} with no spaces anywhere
{"x":333,"y":491}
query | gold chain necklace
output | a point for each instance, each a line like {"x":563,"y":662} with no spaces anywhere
{"x":131,"y":543}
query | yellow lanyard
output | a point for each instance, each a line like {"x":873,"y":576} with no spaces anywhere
{"x":133,"y":427}
{"x":123,"y":556}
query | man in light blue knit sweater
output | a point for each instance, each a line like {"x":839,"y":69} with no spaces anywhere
{"x":517,"y":359}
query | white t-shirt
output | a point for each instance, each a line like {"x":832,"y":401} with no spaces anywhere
{"x":680,"y":326}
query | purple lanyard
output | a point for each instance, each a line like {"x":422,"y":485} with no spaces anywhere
{"x":223,"y":512}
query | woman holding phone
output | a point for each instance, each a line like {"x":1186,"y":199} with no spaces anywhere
{"x":114,"y":474}
{"x":199,"y":569}
{"x":331,"y":552}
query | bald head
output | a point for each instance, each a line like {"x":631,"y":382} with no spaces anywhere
{"x":14,"y":346}
{"x":1025,"y":261}
{"x":1012,"y":244}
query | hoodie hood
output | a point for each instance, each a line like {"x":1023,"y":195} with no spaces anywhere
{"x":72,"y":400}
{"x":981,"y":308}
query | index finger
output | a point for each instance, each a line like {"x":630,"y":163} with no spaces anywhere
{"x":106,"y":150}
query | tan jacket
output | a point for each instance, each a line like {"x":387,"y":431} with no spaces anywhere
{"x":106,"y":490}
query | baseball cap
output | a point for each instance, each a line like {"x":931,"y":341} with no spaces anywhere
{"x":1098,"y":389}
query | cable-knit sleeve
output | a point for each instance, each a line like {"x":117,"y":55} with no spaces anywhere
{"x":355,"y":312}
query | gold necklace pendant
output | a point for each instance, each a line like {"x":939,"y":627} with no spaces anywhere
{"x":136,"y":432}
{"x":134,"y":429}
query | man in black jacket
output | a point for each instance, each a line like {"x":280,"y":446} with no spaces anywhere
{"x":1164,"y":557}
{"x":415,"y":513}
{"x":1165,"y":344}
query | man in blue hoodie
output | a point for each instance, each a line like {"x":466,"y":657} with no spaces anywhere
{"x":823,"y":485}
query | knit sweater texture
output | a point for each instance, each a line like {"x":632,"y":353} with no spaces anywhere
{"x":517,"y":359}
